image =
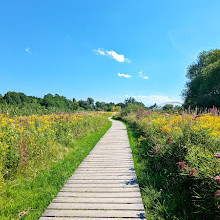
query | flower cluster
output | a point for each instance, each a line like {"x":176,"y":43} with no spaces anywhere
{"x":217,"y":178}
{"x":28,"y":143}
{"x":191,"y":139}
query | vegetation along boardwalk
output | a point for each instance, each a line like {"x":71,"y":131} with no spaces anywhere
{"x":104,"y":185}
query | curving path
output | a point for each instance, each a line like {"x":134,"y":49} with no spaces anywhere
{"x":103,"y":186}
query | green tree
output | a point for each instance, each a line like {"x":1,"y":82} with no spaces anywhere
{"x":1,"y":99}
{"x":84,"y":104}
{"x":15,"y":98}
{"x":48,"y":100}
{"x":121,"y":104}
{"x":100,"y":105}
{"x":203,"y":86}
{"x":168,"y":107}
{"x":90,"y":102}
{"x":153,"y":106}
{"x":132,"y":100}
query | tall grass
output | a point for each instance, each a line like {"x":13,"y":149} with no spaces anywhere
{"x":178,"y":163}
{"x":38,"y":153}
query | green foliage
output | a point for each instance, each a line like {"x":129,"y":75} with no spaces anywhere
{"x":121,"y":104}
{"x":19,"y":104}
{"x":168,"y":107}
{"x":203,"y":87}
{"x":131,"y":100}
{"x":131,"y":105}
{"x":11,"y":162}
{"x":27,"y":192}
{"x":153,"y":106}
{"x":129,"y":109}
{"x":59,"y":101}
{"x":175,"y":162}
{"x":90,"y":102}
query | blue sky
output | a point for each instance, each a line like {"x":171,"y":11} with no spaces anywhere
{"x":108,"y":50}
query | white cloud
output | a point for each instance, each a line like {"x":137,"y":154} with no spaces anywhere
{"x":151,"y":99}
{"x":145,"y":77}
{"x":28,"y":50}
{"x":100,"y":51}
{"x":124,"y":75}
{"x":142,"y":75}
{"x":118,"y":57}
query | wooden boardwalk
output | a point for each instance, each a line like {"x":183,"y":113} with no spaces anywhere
{"x":103,"y":186}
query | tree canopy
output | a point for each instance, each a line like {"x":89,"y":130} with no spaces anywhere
{"x":203,"y":86}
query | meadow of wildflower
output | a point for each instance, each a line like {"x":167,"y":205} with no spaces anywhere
{"x":38,"y":153}
{"x":177,"y":160}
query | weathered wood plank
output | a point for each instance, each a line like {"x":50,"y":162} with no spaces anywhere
{"x":101,"y":177}
{"x":106,"y":170}
{"x":85,"y":170}
{"x":96,"y":206}
{"x":84,"y":218}
{"x":136,"y":200}
{"x":88,"y":174}
{"x":106,"y":173}
{"x":101,"y":195}
{"x":127,"y":182}
{"x":105,"y":165}
{"x":94,"y":213}
{"x":99,"y":190}
{"x":106,"y":185}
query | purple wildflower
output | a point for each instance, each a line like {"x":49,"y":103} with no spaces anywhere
{"x":169,"y":140}
{"x":217,"y":155}
{"x":154,"y":151}
{"x":193,"y":172}
{"x":217,"y":178}
{"x":182,"y":165}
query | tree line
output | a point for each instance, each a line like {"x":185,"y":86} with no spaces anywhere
{"x":55,"y":103}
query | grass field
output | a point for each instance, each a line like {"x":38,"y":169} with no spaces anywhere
{"x":59,"y":149}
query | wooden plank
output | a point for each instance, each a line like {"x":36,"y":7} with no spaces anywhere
{"x":106,"y":185}
{"x":100,"y":177}
{"x":96,"y":206}
{"x":110,"y":150}
{"x":107,"y":169}
{"x":84,"y":218}
{"x":109,"y":173}
{"x":80,"y":174}
{"x":119,"y":170}
{"x":105,"y":163}
{"x":108,"y":160}
{"x":107,"y":166}
{"x":99,"y":190}
{"x":136,"y":200}
{"x":127,"y":182}
{"x":101,"y":195}
{"x":110,"y":155}
{"x":116,"y":156}
{"x":94,"y":213}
